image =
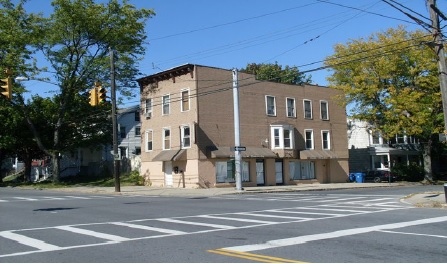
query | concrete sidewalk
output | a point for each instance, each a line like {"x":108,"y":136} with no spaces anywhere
{"x":426,"y":199}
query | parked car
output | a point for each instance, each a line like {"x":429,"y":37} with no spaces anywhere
{"x":379,"y":176}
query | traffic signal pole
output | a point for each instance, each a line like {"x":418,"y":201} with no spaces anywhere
{"x":116,"y":159}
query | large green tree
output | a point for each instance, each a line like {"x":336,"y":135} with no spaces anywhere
{"x":391,"y":80}
{"x":274,"y":72}
{"x":75,"y":42}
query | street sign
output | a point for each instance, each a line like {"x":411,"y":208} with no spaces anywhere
{"x":238,"y":148}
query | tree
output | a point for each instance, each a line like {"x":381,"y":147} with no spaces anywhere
{"x":276,"y":73}
{"x":391,"y":80}
{"x":76,"y":40}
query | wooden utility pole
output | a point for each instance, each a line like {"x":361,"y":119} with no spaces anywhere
{"x":439,"y":49}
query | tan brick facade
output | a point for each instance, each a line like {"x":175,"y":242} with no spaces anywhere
{"x":211,"y":122}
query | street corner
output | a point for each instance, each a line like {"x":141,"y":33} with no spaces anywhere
{"x":427,"y":200}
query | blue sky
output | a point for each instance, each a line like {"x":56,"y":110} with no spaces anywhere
{"x":229,"y":34}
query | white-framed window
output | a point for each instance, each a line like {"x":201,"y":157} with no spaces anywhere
{"x":276,"y":137}
{"x":270,"y":105}
{"x":166,"y":138}
{"x":185,"y":100}
{"x":149,"y":136}
{"x":225,"y":171}
{"x":166,"y":101}
{"x":324,"y":110}
{"x":137,"y":131}
{"x":148,"y":108}
{"x":282,"y":136}
{"x":291,"y":109}
{"x":325,"y":139}
{"x":288,"y":138}
{"x":307,"y":105}
{"x":309,"y":138}
{"x":302,"y":170}
{"x":185,"y":132}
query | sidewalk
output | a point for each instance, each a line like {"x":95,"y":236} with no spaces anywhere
{"x":426,"y":199}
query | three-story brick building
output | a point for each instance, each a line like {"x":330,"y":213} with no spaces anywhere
{"x":292,"y":133}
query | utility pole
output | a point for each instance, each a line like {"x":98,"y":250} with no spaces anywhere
{"x":439,"y":49}
{"x":237,"y":141}
{"x":116,"y":158}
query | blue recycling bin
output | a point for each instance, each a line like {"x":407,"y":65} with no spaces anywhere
{"x":351,"y":177}
{"x":359,"y":177}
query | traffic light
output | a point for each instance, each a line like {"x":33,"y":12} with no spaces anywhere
{"x":93,"y":97}
{"x":6,"y":85}
{"x":101,"y":95}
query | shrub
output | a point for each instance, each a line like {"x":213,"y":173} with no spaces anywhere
{"x":135,"y":178}
{"x":411,"y":173}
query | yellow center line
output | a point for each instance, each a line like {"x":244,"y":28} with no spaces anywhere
{"x":251,"y":256}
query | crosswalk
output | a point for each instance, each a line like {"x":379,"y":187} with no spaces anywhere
{"x":63,"y":237}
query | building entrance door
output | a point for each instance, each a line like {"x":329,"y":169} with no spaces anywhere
{"x":260,"y":172}
{"x":169,"y":182}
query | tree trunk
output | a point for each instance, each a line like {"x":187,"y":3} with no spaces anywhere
{"x":428,"y":171}
{"x":27,"y":173}
{"x":55,"y":161}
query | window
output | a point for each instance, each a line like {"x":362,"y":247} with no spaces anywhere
{"x":137,"y":151}
{"x":149,"y":138}
{"x":186,"y":136}
{"x":137,"y":116}
{"x":287,"y":138}
{"x":270,"y":105}
{"x":326,"y":143}
{"x":123,"y":131}
{"x":290,"y":107}
{"x":307,"y":109}
{"x":148,"y":108}
{"x":225,"y":171}
{"x":282,"y":136}
{"x":166,"y":138}
{"x":375,"y":137}
{"x":137,"y":131}
{"x":324,"y":112}
{"x":309,"y":138}
{"x":302,"y":170}
{"x":123,"y":152}
{"x":185,"y":100}
{"x":277,"y":138}
{"x":165,"y":104}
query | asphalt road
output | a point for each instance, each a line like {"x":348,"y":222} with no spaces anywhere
{"x":368,"y":225}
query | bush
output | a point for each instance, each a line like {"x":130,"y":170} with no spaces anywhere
{"x":411,"y":173}
{"x":134,"y":177}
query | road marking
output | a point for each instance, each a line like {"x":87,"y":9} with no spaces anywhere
{"x":54,"y":198}
{"x":194,"y":223}
{"x":300,"y":212}
{"x":28,"y":241}
{"x":251,"y":256}
{"x":161,"y":230}
{"x":275,"y":216}
{"x":341,"y":233}
{"x":26,"y":199}
{"x":237,"y":219}
{"x":414,"y":234}
{"x":92,"y":233}
{"x":79,"y":197}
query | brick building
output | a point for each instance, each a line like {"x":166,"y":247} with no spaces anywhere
{"x":292,"y":133}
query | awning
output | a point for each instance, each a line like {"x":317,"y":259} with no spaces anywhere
{"x":250,"y":152}
{"x":170,"y":155}
{"x":317,"y":154}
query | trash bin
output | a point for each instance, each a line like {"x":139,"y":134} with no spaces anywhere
{"x":351,"y":177}
{"x":359,"y":177}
